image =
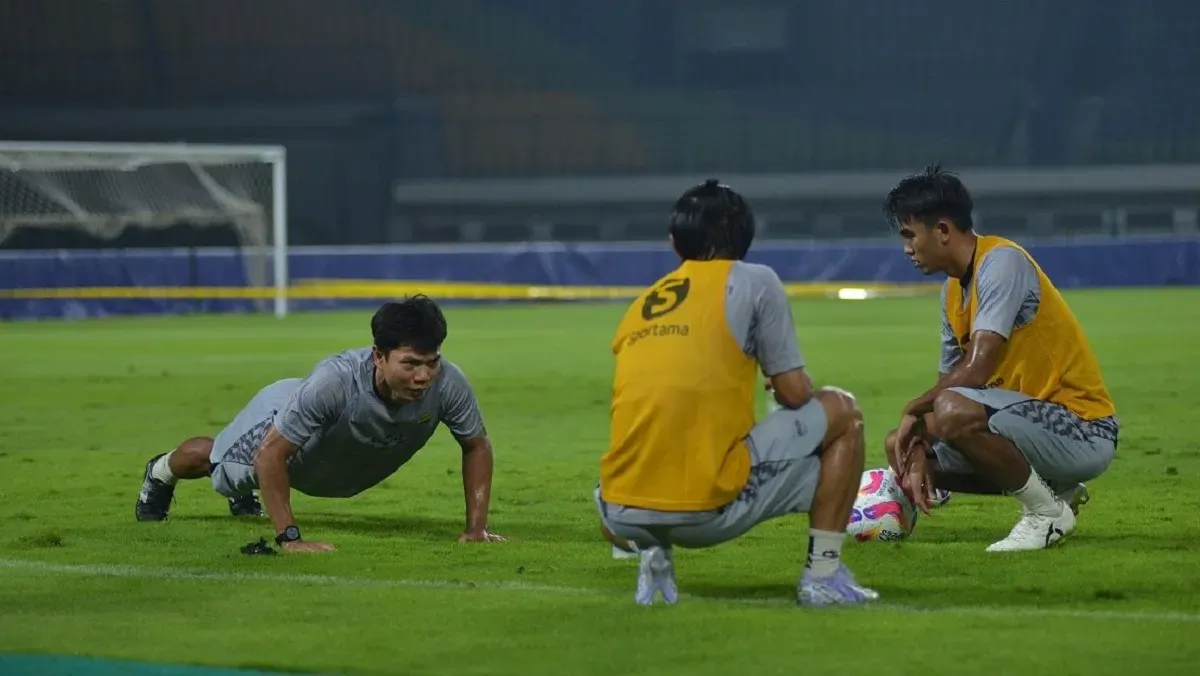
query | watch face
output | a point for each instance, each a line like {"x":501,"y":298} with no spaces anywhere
{"x":291,"y":533}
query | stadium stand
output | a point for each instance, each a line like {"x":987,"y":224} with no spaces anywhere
{"x":527,"y":87}
{"x":366,"y":93}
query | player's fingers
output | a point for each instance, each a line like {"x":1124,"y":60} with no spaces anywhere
{"x":914,"y":485}
{"x":311,"y":547}
{"x":923,"y":496}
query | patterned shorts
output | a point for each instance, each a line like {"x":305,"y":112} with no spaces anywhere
{"x":1062,"y":447}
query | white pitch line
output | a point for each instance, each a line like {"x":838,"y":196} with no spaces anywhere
{"x":101,"y":570}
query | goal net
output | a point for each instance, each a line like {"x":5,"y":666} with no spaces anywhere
{"x":105,"y":189}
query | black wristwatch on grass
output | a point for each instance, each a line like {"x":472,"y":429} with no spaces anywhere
{"x":289,"y":534}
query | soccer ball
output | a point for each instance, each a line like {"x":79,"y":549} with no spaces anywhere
{"x":881,"y":511}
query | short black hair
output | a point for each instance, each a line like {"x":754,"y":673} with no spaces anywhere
{"x":932,"y":195}
{"x":710,"y":221}
{"x":415,"y":322}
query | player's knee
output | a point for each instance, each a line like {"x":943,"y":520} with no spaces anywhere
{"x":842,"y":414}
{"x":197,"y":445}
{"x":956,"y":416}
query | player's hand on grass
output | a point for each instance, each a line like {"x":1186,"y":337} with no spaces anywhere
{"x":306,"y":546}
{"x":481,"y":536}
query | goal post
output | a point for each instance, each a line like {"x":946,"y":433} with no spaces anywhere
{"x":104,"y":188}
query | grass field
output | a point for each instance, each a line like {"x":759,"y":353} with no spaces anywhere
{"x":85,"y":404}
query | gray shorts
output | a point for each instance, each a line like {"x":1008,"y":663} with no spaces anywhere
{"x":232,"y":456}
{"x":785,"y":464}
{"x":1060,"y":446}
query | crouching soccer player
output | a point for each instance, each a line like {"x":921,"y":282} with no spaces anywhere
{"x":1020,"y":406}
{"x":687,"y":466}
{"x":355,"y":420}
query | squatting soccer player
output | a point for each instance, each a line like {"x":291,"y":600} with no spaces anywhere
{"x":1020,"y":407}
{"x":687,"y":466}
{"x":356,"y":419}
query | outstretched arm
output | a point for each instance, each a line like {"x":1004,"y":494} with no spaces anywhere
{"x":270,"y":464}
{"x":477,"y":487}
{"x":460,"y":413}
{"x":317,"y":403}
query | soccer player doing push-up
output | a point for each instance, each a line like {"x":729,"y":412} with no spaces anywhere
{"x":687,"y":465}
{"x":1020,"y":406}
{"x":356,"y":419}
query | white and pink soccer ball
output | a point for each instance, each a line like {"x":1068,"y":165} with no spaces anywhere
{"x":881,"y":511}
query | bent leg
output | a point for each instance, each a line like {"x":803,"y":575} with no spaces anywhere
{"x":964,"y":423}
{"x":235,"y":447}
{"x":1058,"y":445}
{"x":651,"y":544}
{"x":842,"y":458}
{"x":200,"y":457}
{"x":188,"y":461}
{"x":804,"y":460}
{"x":1021,"y":445}
{"x":826,"y":579}
{"x":785,"y":471}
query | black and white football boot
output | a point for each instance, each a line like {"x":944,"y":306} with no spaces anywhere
{"x":154,"y":502}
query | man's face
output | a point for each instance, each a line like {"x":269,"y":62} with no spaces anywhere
{"x":407,"y":373}
{"x":926,"y":246}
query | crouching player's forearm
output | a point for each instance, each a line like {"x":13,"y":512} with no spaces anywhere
{"x":275,"y":488}
{"x":477,"y":464}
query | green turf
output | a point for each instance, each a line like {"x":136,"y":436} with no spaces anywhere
{"x":86,"y":403}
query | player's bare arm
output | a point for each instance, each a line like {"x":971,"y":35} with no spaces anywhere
{"x":462,"y":417}
{"x":775,"y":345}
{"x":792,"y":389}
{"x":974,"y":371}
{"x":270,"y":462}
{"x":986,"y":349}
{"x":477,"y":462}
{"x":1003,"y":283}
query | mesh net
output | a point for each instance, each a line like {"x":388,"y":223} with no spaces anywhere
{"x":104,"y":193}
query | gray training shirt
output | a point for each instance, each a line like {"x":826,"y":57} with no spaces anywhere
{"x":760,"y":317}
{"x":1009,"y":294}
{"x":350,"y":440}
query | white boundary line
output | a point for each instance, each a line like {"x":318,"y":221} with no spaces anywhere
{"x":98,"y":570}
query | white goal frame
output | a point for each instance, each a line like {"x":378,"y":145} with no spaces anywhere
{"x":141,"y":154}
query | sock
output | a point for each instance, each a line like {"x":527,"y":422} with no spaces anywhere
{"x":161,"y":470}
{"x":1036,"y":496}
{"x":824,"y":552}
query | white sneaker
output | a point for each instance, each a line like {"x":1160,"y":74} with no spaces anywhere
{"x":656,"y":574}
{"x":1037,"y":531}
